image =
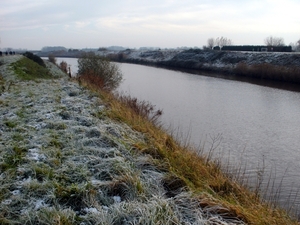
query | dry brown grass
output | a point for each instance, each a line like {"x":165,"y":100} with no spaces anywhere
{"x":63,"y":66}
{"x":199,"y":173}
{"x":269,"y":71}
{"x":94,"y":81}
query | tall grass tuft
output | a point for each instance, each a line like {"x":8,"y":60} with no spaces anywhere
{"x":142,"y":108}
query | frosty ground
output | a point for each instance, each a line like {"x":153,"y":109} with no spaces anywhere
{"x":63,"y":161}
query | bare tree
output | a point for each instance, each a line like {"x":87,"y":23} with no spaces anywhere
{"x":274,"y":41}
{"x":295,"y":46}
{"x":223,"y":41}
{"x":298,"y":46}
{"x":280,"y":42}
{"x":211,"y":43}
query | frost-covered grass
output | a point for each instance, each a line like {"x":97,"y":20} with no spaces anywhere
{"x":64,"y":159}
{"x":279,"y":66}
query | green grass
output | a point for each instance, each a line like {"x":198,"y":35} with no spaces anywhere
{"x":43,"y":172}
{"x":27,"y":69}
{"x":13,"y":159}
{"x":72,"y":195}
{"x":17,"y":137}
{"x":11,"y":123}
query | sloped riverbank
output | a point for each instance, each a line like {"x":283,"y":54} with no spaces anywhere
{"x":263,"y":65}
{"x":64,"y":161}
{"x":61,"y":162}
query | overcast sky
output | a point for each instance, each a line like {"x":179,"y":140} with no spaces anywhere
{"x":33,"y":24}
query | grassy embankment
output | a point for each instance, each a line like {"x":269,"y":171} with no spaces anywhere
{"x":27,"y":70}
{"x":196,"y":172}
{"x":196,"y":60}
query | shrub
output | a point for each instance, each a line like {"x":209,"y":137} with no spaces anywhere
{"x":64,"y":66}
{"x":35,"y":58}
{"x":99,"y":71}
{"x":52,"y":58}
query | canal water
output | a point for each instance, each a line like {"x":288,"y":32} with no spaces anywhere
{"x":252,"y":127}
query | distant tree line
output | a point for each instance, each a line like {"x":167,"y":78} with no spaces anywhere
{"x":219,"y":42}
{"x":272,"y":44}
{"x":53,"y":48}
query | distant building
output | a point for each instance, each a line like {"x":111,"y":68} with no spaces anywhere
{"x":255,"y":48}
